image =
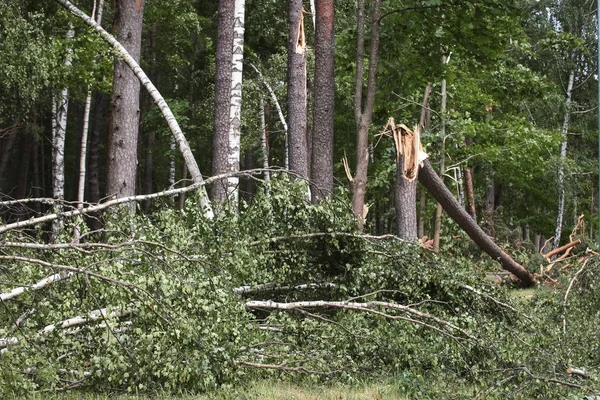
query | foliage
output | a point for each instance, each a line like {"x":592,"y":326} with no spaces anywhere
{"x":190,"y":332}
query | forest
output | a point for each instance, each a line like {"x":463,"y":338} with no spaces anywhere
{"x":201,"y":195}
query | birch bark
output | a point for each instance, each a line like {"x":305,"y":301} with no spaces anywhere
{"x":59,"y":130}
{"x":561,"y":168}
{"x":235,"y":113}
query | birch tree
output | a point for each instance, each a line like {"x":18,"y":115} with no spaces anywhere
{"x":561,"y":169}
{"x":60,"y":108}
{"x":235,"y":116}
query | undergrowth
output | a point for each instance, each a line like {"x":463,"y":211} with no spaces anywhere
{"x":177,"y":289}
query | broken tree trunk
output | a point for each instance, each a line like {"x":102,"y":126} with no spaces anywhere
{"x":432,"y":182}
{"x":407,"y":166}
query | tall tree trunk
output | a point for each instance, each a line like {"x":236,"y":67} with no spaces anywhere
{"x":296,"y":96}
{"x":264,"y":145}
{"x":561,"y":168}
{"x":424,"y":122}
{"x":182,"y":142}
{"x":364,"y":114}
{"x":23,"y":182}
{"x":429,"y":178}
{"x":223,"y":77}
{"x":437,"y":227}
{"x":324,"y":94}
{"x":151,"y":134}
{"x":470,"y":193}
{"x":59,"y":132}
{"x":123,"y":143}
{"x":235,"y":115}
{"x":8,"y":138}
{"x":86,"y":123}
{"x":490,"y":203}
{"x":36,"y":181}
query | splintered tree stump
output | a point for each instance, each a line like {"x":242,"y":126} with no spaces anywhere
{"x":434,"y":185}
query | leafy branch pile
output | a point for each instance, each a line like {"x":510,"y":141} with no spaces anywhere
{"x":283,"y":288}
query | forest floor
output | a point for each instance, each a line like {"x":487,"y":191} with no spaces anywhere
{"x":265,"y":390}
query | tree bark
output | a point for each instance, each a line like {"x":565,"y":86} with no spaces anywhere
{"x":123,"y":143}
{"x":422,"y":208}
{"x":235,"y":116}
{"x":408,"y":146}
{"x":264,"y":145}
{"x":438,"y":210}
{"x":223,"y":74}
{"x":324,"y":94}
{"x":470,"y":193}
{"x":429,"y":178}
{"x":7,"y":148}
{"x":561,"y":168}
{"x":296,"y":96}
{"x":59,"y":133}
{"x":86,"y":123}
{"x":364,"y":115}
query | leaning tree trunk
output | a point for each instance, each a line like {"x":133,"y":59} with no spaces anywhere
{"x":324,"y":93}
{"x":432,"y":182}
{"x":223,"y":74}
{"x":363,"y":115}
{"x":296,"y":97}
{"x":286,"y":153}
{"x":235,"y":115}
{"x":561,"y":167}
{"x":184,"y":146}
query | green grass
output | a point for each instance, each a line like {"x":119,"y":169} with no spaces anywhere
{"x":262,"y":390}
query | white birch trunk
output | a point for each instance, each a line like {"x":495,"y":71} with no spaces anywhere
{"x":265,"y":147}
{"x":561,"y":168}
{"x":235,"y":115}
{"x":313,"y":13}
{"x":86,"y":124}
{"x":59,"y":131}
{"x":184,"y":146}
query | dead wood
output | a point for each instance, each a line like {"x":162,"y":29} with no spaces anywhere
{"x":432,"y":182}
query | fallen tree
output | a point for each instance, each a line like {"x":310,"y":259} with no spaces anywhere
{"x":432,"y":182}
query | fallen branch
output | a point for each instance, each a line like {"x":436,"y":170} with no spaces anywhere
{"x":94,"y":315}
{"x":554,"y":252}
{"x":569,"y":291}
{"x":281,"y":367}
{"x":36,"y":286}
{"x":332,"y":234}
{"x":68,"y":268}
{"x":272,"y":287}
{"x":123,"y":200}
{"x":577,"y":371}
{"x":367,"y":307}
